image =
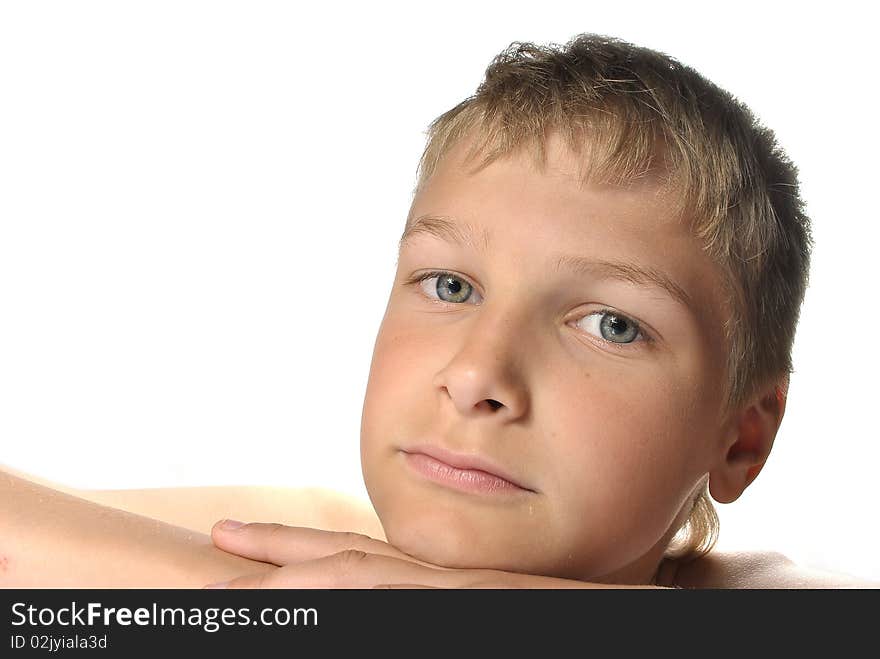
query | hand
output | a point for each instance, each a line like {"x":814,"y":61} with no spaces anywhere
{"x":313,"y":558}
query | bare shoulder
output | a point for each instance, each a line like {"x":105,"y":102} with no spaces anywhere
{"x":198,"y":508}
{"x":344,"y":512}
{"x":759,"y":569}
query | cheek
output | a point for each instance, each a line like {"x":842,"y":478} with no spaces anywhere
{"x":618,"y":491}
{"x":605,"y":433}
{"x":623,"y":450}
{"x":400,"y":371}
{"x":613,"y":449}
{"x":397,"y":371}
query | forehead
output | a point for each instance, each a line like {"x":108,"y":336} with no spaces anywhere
{"x":544,"y":194}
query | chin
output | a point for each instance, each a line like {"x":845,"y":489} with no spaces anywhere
{"x":441,"y":539}
{"x":444,"y":550}
{"x":444,"y":545}
{"x":461,"y":549}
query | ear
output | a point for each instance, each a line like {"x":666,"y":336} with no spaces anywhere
{"x":748,"y":442}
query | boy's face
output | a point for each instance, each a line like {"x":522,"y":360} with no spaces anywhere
{"x":606,"y":425}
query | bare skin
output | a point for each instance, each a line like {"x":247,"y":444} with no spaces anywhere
{"x":498,"y":348}
{"x":60,"y":536}
{"x":54,"y":539}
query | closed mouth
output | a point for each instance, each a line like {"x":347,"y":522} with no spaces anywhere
{"x":470,"y":472}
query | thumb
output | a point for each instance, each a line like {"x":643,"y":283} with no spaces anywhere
{"x":249,"y":540}
{"x":282,"y":545}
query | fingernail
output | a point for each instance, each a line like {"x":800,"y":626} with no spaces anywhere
{"x":219,"y":584}
{"x":231,"y":524}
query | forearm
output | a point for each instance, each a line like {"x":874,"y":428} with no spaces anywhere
{"x":54,"y":539}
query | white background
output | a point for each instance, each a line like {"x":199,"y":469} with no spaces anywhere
{"x":199,"y":208}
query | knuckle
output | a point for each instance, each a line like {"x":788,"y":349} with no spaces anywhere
{"x":273,"y":527}
{"x":352,"y":540}
{"x":262,"y":527}
{"x":273,"y":531}
{"x":348,"y":559}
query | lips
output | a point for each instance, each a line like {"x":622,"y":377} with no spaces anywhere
{"x":478,"y":471}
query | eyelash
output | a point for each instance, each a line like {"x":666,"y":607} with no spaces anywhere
{"x":643,"y":336}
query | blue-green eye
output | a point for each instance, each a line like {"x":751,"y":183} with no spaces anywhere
{"x":606,"y":324}
{"x":446,"y":286}
{"x":611,"y":326}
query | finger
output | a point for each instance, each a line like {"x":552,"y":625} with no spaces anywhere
{"x":281,"y":545}
{"x":260,"y":580}
{"x":356,"y":569}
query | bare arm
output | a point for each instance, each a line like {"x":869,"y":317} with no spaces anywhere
{"x":198,"y":508}
{"x":53,"y":535}
{"x":50,"y":538}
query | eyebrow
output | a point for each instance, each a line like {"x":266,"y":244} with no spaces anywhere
{"x":464,"y":234}
{"x":444,"y":228}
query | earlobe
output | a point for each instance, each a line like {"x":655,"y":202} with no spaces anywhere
{"x":748,"y":445}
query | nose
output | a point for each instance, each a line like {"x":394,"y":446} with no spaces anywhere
{"x":484,"y":375}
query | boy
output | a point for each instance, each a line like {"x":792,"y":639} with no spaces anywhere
{"x":589,"y":334}
{"x":597,"y":293}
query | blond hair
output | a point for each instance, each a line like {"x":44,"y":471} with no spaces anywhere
{"x":639,"y":113}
